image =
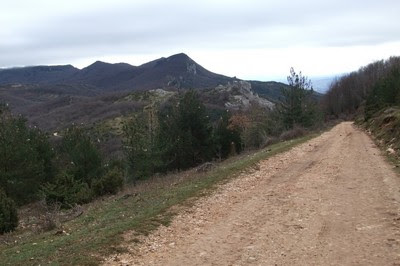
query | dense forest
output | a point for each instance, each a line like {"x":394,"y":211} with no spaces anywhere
{"x":365,"y":91}
{"x":69,"y":169}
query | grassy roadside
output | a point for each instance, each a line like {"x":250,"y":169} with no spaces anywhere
{"x":99,"y":230}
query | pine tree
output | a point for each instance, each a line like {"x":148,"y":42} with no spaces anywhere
{"x":185,"y":133}
{"x":25,"y":158}
{"x":139,"y":146}
{"x":298,"y":107}
{"x":8,"y":213}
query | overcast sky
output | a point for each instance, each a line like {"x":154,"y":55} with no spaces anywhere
{"x":250,"y":39}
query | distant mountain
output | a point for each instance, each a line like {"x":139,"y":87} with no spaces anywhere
{"x":37,"y":75}
{"x":103,"y":75}
{"x":177,"y":71}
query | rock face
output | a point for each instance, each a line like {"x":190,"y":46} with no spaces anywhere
{"x":241,"y":96}
{"x":191,"y":68}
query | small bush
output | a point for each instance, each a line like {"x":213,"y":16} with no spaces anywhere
{"x":110,"y":183}
{"x":67,"y":191}
{"x":8,"y":214}
{"x":293,"y":133}
{"x":79,"y":154}
{"x":270,"y":140}
{"x":254,"y":137}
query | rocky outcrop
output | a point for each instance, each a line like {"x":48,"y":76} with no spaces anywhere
{"x":241,"y":96}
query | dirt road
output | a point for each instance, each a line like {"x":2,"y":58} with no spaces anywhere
{"x":331,"y":201}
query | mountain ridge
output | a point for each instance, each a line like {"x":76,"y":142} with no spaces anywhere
{"x":176,"y":71}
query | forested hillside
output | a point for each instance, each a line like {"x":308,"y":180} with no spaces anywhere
{"x":374,"y":85}
{"x":371,"y":96}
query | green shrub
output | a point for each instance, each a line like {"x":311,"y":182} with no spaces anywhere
{"x":80,"y":155}
{"x":8,"y":214}
{"x":254,"y":136}
{"x":110,"y":183}
{"x":67,"y":191}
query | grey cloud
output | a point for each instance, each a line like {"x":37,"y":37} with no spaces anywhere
{"x":157,"y":26}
